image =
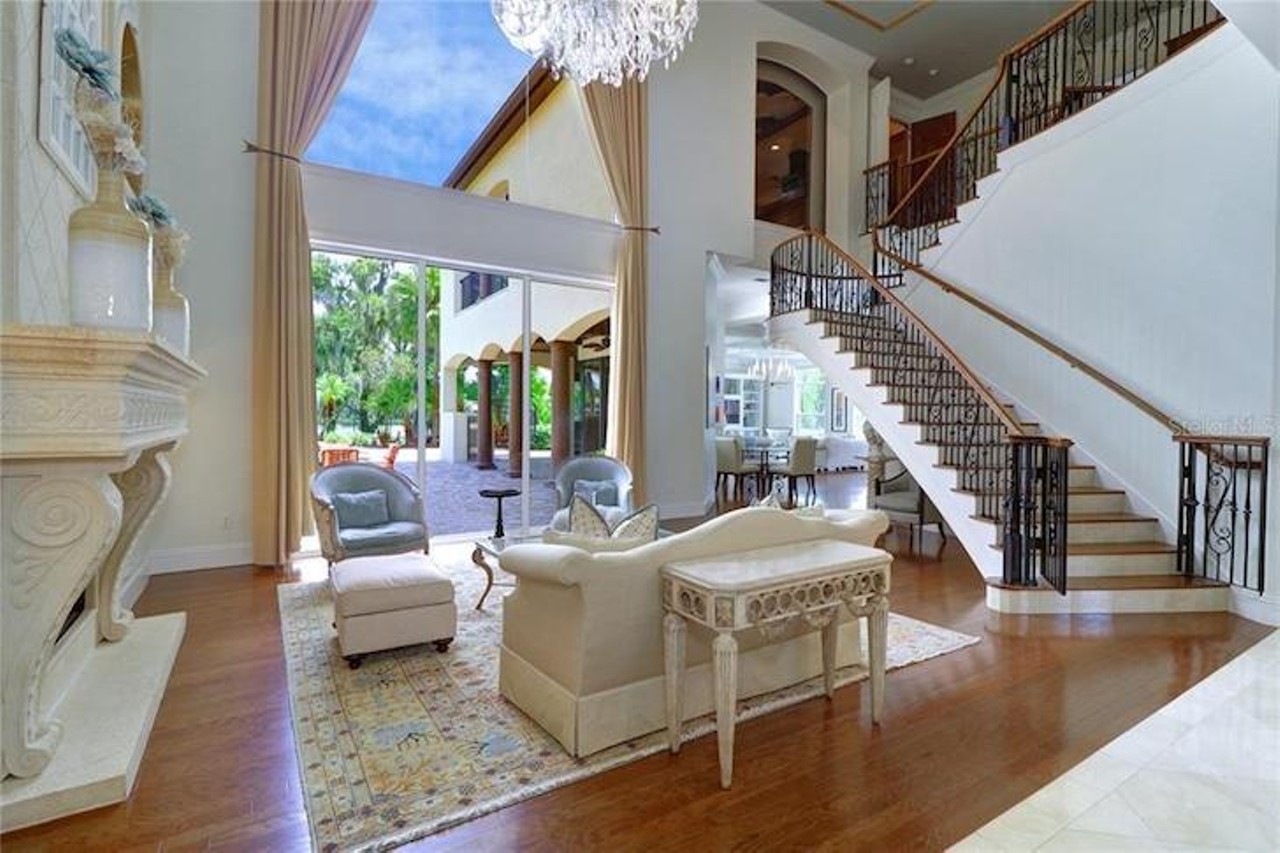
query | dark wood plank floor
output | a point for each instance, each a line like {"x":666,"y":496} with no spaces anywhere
{"x":965,"y":736}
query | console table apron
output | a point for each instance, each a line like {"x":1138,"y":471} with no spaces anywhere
{"x":770,"y":589}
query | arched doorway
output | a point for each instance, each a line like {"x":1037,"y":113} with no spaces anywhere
{"x":791,"y":127}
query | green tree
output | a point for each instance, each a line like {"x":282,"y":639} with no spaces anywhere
{"x":332,"y":392}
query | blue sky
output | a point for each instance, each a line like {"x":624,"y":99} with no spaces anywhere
{"x":428,"y":77}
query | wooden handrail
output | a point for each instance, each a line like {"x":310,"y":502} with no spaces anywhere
{"x":1011,"y":426}
{"x":1073,"y":360}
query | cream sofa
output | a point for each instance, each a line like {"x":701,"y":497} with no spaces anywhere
{"x":582,"y":633}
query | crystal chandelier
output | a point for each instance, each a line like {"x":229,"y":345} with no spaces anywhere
{"x":605,"y":40}
{"x":772,"y":368}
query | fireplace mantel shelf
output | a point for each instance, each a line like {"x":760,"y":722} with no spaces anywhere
{"x":87,"y":420}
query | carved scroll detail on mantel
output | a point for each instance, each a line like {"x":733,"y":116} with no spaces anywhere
{"x":87,"y":418}
{"x":59,"y":530}
{"x":142,"y":487}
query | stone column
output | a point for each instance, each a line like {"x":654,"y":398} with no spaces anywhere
{"x":484,"y":423}
{"x":515,"y":413}
{"x":561,"y":401}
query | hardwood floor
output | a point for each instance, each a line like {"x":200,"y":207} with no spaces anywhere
{"x":965,"y":736}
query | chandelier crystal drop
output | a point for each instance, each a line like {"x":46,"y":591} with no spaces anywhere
{"x":605,"y":40}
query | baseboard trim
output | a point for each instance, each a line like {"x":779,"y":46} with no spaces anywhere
{"x":163,"y":561}
{"x":1264,"y":609}
{"x":133,"y":588}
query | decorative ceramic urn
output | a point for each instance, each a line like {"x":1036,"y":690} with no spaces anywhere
{"x":172,"y":315}
{"x":110,"y":247}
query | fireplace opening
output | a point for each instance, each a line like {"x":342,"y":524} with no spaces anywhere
{"x":77,"y":610}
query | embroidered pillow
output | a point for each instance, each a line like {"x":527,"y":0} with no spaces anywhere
{"x":361,"y":509}
{"x":641,"y":524}
{"x":586,"y":520}
{"x":597,"y":492}
{"x":591,"y":544}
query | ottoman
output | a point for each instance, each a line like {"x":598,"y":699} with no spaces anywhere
{"x":389,"y":601}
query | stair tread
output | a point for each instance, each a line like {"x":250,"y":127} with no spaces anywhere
{"x":1120,"y":582}
{"x":1106,"y":517}
{"x":1110,"y":549}
{"x":1071,"y":490}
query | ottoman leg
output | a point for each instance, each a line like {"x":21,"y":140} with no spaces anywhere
{"x":443,"y":645}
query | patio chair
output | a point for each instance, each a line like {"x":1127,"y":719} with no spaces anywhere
{"x":603,"y":480}
{"x":362,"y":509}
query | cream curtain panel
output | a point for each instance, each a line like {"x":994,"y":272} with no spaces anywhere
{"x":619,"y":125}
{"x":305,"y":48}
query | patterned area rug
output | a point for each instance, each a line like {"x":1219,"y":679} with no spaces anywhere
{"x":414,"y":741}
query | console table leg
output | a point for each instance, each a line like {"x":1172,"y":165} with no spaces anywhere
{"x":829,"y":634}
{"x":726,"y":678}
{"x":673,"y":648}
{"x":477,"y":557}
{"x":878,"y":640}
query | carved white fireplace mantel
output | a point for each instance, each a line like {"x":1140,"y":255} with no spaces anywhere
{"x":87,"y":418}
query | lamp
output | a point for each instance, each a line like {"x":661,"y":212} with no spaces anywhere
{"x":605,"y":40}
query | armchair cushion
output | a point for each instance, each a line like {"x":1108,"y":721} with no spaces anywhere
{"x":361,"y":509}
{"x":384,"y":535}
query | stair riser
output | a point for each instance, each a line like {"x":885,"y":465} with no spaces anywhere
{"x":1114,"y":531}
{"x":1113,"y":565}
{"x":944,"y":434}
{"x":894,"y":360}
{"x":923,"y":413}
{"x":1206,"y":600}
{"x":1103,"y":502}
{"x":905,"y":396}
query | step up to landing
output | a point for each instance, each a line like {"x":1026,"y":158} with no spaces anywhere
{"x":1161,"y":593}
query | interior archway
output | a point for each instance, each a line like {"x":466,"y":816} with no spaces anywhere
{"x":790,"y":148}
{"x":131,"y":111}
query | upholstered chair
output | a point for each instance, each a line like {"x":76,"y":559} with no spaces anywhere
{"x":802,"y":465}
{"x":362,"y":508}
{"x":602,"y":480}
{"x":900,"y":498}
{"x":730,"y":464}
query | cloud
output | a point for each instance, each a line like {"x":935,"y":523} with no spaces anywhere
{"x":427,"y":78}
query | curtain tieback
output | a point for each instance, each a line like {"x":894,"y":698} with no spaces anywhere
{"x":251,"y":148}
{"x":652,"y":229}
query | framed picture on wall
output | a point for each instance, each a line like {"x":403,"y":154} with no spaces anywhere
{"x":839,"y":411}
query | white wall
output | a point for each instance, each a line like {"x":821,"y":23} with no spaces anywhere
{"x":200,"y":67}
{"x":374,"y":213}
{"x":701,"y":182}
{"x":961,"y":99}
{"x":1141,"y":234}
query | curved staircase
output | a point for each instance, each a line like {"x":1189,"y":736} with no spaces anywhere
{"x":1033,"y":513}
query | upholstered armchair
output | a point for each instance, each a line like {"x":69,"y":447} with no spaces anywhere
{"x":363,"y":509}
{"x":603,"y":480}
{"x":904,"y":502}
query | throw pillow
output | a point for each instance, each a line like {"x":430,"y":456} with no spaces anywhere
{"x":597,"y":492}
{"x":586,"y":520}
{"x":590,"y":544}
{"x":641,"y":524}
{"x":361,"y":509}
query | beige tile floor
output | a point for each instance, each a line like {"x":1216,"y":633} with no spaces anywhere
{"x":1202,"y":773}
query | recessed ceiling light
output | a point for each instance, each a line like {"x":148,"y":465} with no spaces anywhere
{"x":775,"y":147}
{"x":908,"y":60}
{"x":933,"y":72}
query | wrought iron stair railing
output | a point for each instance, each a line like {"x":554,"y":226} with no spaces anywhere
{"x":1017,"y":479}
{"x":1093,"y":49}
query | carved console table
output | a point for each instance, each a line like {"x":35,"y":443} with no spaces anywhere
{"x":87,"y":418}
{"x":769,"y":590}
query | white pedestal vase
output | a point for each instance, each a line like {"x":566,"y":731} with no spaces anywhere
{"x":109,"y":259}
{"x":171,"y":321}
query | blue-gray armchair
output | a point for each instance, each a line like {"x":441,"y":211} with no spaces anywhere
{"x":603,"y":480}
{"x":363,"y":509}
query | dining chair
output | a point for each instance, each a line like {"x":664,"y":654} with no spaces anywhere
{"x":802,"y":464}
{"x":731,"y":464}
